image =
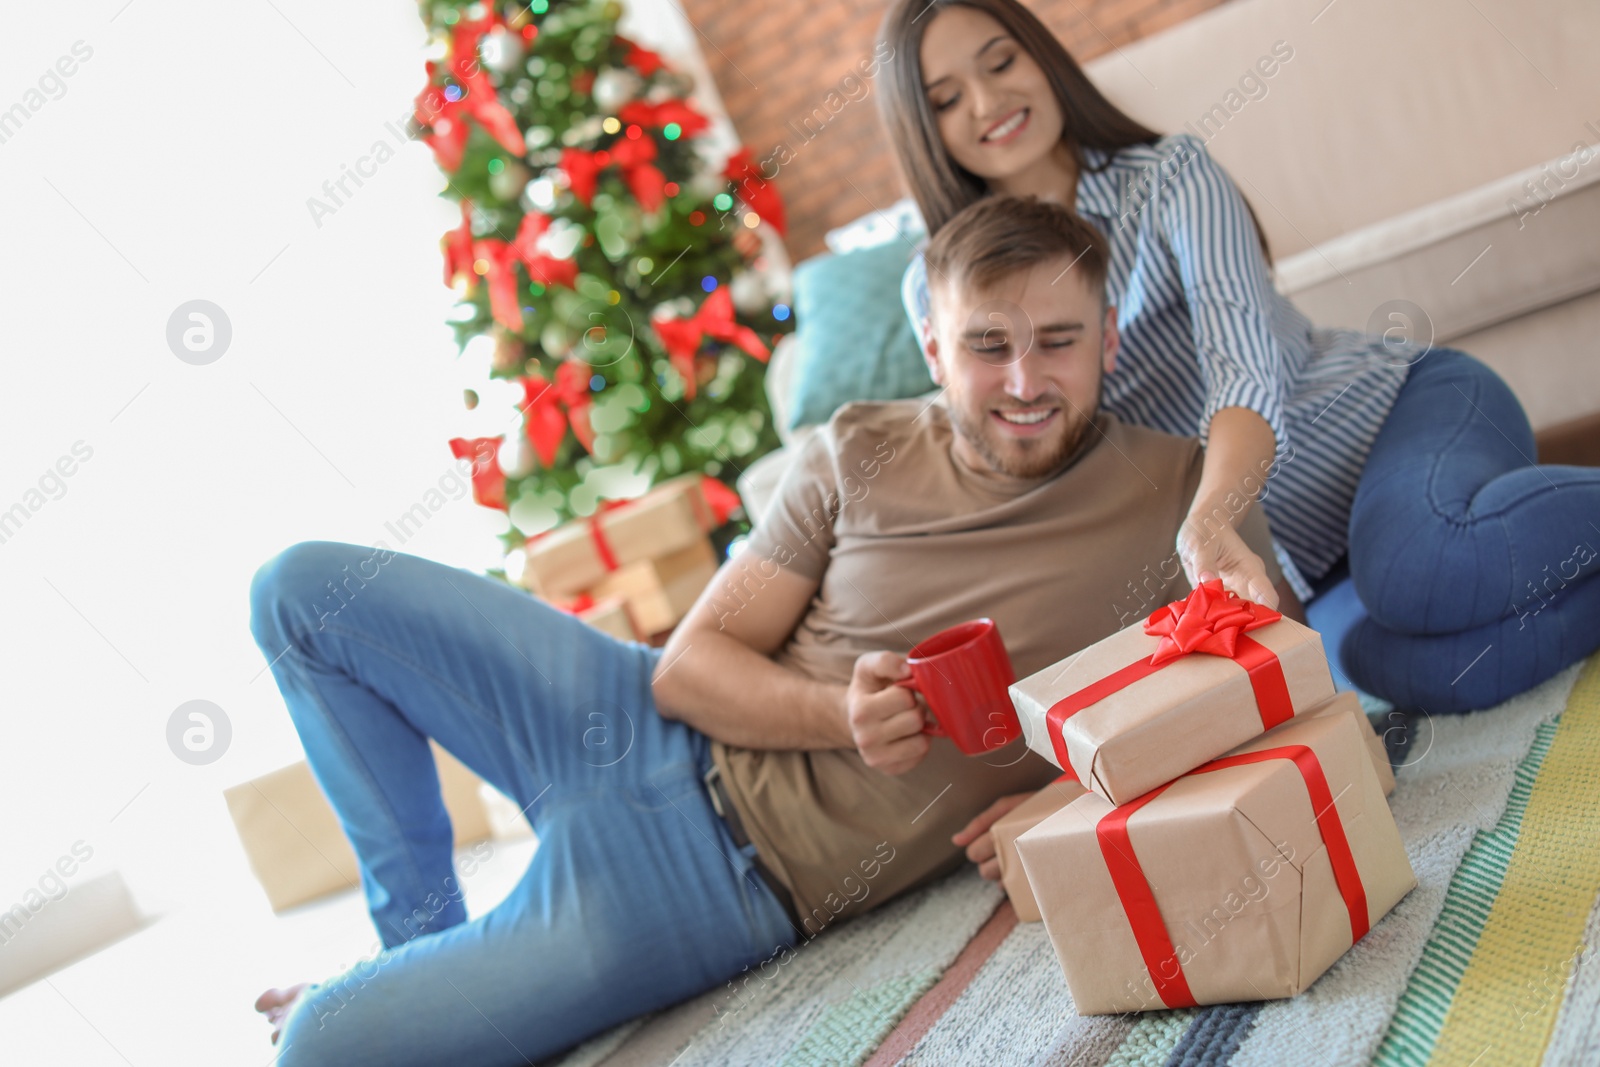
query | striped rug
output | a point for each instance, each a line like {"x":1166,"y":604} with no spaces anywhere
{"x":1488,"y":961}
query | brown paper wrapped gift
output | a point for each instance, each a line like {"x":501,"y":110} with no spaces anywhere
{"x":611,"y":616}
{"x":1135,"y":709}
{"x":293,"y":840}
{"x":1012,"y":825}
{"x":1348,"y":702}
{"x":572,"y":557}
{"x":1245,"y":879}
{"x":661,"y":591}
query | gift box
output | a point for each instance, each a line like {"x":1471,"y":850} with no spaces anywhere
{"x":611,"y":616}
{"x":293,"y":840}
{"x":1244,"y":879}
{"x":1348,"y":702}
{"x":1158,"y":698}
{"x":674,"y":516}
{"x":1012,"y":825}
{"x":660,"y":591}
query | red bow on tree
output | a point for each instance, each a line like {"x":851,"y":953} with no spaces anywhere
{"x":642,"y":60}
{"x":462,"y":251}
{"x":634,"y":156}
{"x":655,"y":116}
{"x":681,"y":337}
{"x":542,"y":268}
{"x":1209,"y":619}
{"x":550,"y":407}
{"x":583,"y":171}
{"x":488,"y":480}
{"x":760,"y":195}
{"x":448,"y":118}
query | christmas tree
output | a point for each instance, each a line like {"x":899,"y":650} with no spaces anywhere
{"x":614,"y":265}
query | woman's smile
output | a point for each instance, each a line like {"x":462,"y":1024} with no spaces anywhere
{"x":1008,"y":129}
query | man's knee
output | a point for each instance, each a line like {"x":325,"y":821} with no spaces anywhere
{"x":307,"y":578}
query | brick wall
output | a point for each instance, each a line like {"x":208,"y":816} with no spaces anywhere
{"x":774,"y":61}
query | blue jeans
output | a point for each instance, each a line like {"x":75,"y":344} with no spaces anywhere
{"x":636,"y":897}
{"x":1472,"y":570}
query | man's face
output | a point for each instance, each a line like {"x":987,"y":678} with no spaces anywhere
{"x":1021,"y":364}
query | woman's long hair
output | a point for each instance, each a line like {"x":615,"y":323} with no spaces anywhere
{"x":940,"y":185}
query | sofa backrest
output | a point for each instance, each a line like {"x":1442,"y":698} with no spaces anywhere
{"x":1382,"y":106}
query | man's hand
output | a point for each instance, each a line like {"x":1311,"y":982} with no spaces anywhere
{"x":1222,"y":553}
{"x":885,"y":719}
{"x":977,"y":839}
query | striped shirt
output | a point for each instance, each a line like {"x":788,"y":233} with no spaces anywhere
{"x":1203,"y":329}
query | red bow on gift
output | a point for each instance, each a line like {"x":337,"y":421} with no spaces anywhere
{"x":550,"y":407}
{"x":681,"y":337}
{"x":655,"y":116}
{"x":760,"y":195}
{"x":488,"y":480}
{"x":1209,"y":620}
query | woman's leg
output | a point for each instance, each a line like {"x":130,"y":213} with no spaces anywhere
{"x":1477,"y":668}
{"x":1454,"y":527}
{"x":635,"y":892}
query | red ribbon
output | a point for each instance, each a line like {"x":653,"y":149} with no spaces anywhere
{"x":447,"y":119}
{"x":488,"y":480}
{"x":759,"y":194}
{"x":1209,"y":620}
{"x":602,"y":547}
{"x":655,"y":116}
{"x":548,"y":408}
{"x":636,"y":159}
{"x":640,"y":59}
{"x":1139,"y":902}
{"x":681,"y":337}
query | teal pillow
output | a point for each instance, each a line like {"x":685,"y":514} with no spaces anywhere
{"x":856,"y":342}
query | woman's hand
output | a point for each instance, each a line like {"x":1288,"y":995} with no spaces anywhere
{"x":976,"y":837}
{"x":1213,"y":549}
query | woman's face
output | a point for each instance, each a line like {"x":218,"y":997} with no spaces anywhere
{"x":996,"y":112}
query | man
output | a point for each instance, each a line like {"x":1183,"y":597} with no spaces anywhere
{"x":703,"y":812}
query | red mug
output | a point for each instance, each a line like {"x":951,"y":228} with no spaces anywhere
{"x":963,"y":673}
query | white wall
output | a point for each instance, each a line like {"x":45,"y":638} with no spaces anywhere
{"x":176,"y":163}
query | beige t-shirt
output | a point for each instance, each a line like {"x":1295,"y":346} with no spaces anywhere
{"x":907,"y":540}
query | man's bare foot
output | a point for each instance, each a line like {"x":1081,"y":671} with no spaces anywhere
{"x":275,"y":1004}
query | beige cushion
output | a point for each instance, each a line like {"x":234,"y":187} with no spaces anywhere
{"x":1467,"y":261}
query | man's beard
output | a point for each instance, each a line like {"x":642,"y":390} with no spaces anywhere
{"x":1030,"y":457}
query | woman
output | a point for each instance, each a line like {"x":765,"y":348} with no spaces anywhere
{"x":1399,"y":478}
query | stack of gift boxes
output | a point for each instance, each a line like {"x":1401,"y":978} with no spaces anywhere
{"x":1221,"y":831}
{"x":634,"y":567}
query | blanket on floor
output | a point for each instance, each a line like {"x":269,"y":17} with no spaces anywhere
{"x":1486,"y":961}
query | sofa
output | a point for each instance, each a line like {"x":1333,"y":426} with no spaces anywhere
{"x":1432,"y":167}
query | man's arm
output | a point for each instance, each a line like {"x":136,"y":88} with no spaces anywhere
{"x":717,"y":675}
